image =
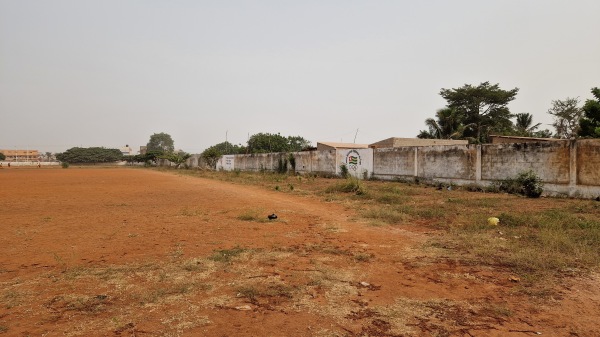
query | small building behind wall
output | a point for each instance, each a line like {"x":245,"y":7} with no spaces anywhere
{"x":358,"y":158}
{"x":327,"y":146}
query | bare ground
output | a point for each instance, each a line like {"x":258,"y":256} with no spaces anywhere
{"x":129,"y":252}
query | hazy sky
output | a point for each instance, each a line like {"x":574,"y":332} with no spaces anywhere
{"x":113,"y":72}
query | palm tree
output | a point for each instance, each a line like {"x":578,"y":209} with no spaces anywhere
{"x":447,"y":125}
{"x":523,"y":124}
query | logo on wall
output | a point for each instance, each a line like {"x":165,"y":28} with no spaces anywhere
{"x":353,"y":160}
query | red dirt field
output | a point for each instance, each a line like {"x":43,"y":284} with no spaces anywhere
{"x":134,"y":252}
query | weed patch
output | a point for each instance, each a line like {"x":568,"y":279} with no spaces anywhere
{"x":227,"y":255}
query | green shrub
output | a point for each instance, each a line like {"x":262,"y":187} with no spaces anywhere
{"x":344,"y":171}
{"x":527,"y":183}
{"x":64,"y":164}
{"x":531,"y":184}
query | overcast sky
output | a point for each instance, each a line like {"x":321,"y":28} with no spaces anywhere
{"x":113,"y":72}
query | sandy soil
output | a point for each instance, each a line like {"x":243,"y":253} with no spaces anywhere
{"x":132,"y":252}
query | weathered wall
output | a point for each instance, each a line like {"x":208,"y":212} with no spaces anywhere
{"x":566,"y":167}
{"x":451,"y":162}
{"x":550,"y":160}
{"x":394,"y":162}
{"x":315,"y":161}
{"x":588,"y":162}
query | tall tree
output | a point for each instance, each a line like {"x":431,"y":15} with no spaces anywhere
{"x":567,"y":114}
{"x":484,"y":108}
{"x":590,"y":122}
{"x":160,"y":142}
{"x":524,"y":125}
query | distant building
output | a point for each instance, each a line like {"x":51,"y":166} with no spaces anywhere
{"x":126,"y":150}
{"x":400,"y":142}
{"x":513,"y":139}
{"x":324,"y":146}
{"x":21,"y":155}
{"x":143,"y":150}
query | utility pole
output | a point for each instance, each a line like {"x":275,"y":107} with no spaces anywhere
{"x":355,"y":136}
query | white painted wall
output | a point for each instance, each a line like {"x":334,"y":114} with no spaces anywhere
{"x":226,"y":162}
{"x":358,"y":161}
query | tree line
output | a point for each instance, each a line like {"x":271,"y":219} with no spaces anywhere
{"x":257,"y":143}
{"x":476,"y":112}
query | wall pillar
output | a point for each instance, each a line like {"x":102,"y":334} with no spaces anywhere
{"x":478,"y":164}
{"x":416,"y":174}
{"x":572,"y":167}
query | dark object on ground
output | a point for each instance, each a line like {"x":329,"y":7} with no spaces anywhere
{"x":598,"y":198}
{"x":272,"y":216}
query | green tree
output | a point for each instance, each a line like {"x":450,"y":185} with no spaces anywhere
{"x":269,"y":142}
{"x":297,"y":143}
{"x":228,"y":148}
{"x":589,"y":124}
{"x":483,"y":109}
{"x":161,"y":142}
{"x":567,"y":114}
{"x":149,"y":156}
{"x":211,"y":156}
{"x":524,"y":125}
{"x":90,"y":155}
{"x":177,"y":158}
{"x":2,"y":156}
{"x":448,"y":125}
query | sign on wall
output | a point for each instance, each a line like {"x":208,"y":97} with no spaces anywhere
{"x":358,"y":161}
{"x":226,"y":162}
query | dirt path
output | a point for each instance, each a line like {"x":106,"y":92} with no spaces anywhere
{"x":138,"y":252}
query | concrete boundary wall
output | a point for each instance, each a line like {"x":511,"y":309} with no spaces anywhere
{"x":569,"y":167}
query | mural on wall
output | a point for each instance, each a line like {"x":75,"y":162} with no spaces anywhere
{"x":358,"y":161}
{"x":353,"y":161}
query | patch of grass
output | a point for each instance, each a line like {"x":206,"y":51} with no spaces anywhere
{"x":252,"y":215}
{"x":226,"y":255}
{"x":362,"y":257}
{"x":387,"y":215}
{"x":255,"y":292}
{"x":11,"y":299}
{"x":193,"y":265}
{"x":83,"y":303}
{"x":196,"y":211}
{"x":349,"y":185}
